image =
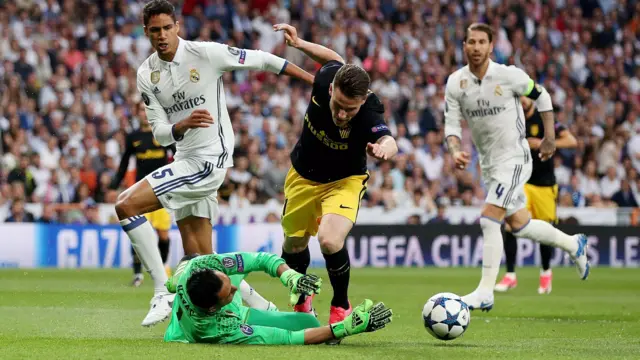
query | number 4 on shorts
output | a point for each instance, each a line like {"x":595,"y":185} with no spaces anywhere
{"x":499,"y":190}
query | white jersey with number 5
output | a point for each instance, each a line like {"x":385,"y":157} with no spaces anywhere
{"x":172,"y":90}
{"x":493,"y":112}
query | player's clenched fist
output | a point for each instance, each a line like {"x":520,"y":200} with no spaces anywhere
{"x":461,"y":159}
{"x":300,"y":284}
{"x":199,"y":118}
{"x":364,"y":318}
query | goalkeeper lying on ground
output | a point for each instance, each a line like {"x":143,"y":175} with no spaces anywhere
{"x":207,"y":308}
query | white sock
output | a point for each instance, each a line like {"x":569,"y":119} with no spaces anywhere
{"x":252,"y":298}
{"x":145,"y":242}
{"x":491,"y":254}
{"x":545,"y":233}
{"x":510,"y":275}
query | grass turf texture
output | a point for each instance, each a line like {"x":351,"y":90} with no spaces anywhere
{"x":94,"y":314}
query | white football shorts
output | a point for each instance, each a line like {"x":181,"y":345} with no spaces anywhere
{"x":188,"y":187}
{"x":505,"y":186}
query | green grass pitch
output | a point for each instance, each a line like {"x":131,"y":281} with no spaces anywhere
{"x":94,"y":314}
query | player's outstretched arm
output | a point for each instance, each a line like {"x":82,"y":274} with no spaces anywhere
{"x":226,"y":58}
{"x":248,"y":262}
{"x":365,"y":318}
{"x":317,"y":52}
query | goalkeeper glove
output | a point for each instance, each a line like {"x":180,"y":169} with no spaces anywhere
{"x":300,"y":284}
{"x":364,"y":318}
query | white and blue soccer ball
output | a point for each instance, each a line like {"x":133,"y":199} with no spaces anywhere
{"x":446,"y":316}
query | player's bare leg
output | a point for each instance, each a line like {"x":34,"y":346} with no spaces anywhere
{"x":130,"y":207}
{"x":196,"y":233}
{"x":332,"y":234}
{"x":295,"y":251}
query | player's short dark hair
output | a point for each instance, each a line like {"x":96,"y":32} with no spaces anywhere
{"x":203,"y":287}
{"x":480,"y":27}
{"x":352,"y":80}
{"x":157,"y":7}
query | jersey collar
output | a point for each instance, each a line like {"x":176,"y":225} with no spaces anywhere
{"x":490,"y":71}
{"x":177,"y":58}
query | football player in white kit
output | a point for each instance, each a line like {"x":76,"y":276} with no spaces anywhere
{"x":181,"y":86}
{"x":486,"y":95}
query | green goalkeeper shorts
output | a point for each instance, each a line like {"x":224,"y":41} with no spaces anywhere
{"x":273,"y":328}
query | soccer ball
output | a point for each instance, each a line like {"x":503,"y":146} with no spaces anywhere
{"x":446,"y":316}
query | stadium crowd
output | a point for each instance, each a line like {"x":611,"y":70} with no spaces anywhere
{"x":68,"y":89}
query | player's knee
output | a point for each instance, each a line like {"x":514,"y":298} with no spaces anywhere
{"x":124,"y":206}
{"x":330,"y":243}
{"x":293,"y":245}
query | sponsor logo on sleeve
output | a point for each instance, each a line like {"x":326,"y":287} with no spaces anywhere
{"x":380,"y":127}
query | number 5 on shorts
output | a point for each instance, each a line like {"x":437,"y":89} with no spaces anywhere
{"x":162,"y":173}
{"x":499,"y":190}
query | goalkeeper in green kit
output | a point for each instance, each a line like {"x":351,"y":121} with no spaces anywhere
{"x":207,"y":308}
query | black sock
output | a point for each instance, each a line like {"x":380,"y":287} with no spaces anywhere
{"x":163,"y":245}
{"x":298,"y":262}
{"x":339,"y":269}
{"x":137,"y":266}
{"x":545,"y":256}
{"x":510,"y":250}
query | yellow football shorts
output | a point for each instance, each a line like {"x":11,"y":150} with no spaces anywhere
{"x":542,"y":202}
{"x":307,"y":201}
{"x":159,"y":219}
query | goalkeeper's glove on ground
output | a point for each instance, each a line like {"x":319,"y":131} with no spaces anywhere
{"x":300,"y":284}
{"x":364,"y":318}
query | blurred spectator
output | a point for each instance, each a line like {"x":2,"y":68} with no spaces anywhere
{"x":441,"y":216}
{"x":624,"y":197}
{"x":48,"y":214}
{"x":18,"y":213}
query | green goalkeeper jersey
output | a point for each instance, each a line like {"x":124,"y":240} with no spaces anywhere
{"x":191,"y":324}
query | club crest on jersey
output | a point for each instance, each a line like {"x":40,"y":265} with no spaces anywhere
{"x":228,"y":262}
{"x":534,"y":130}
{"x":194,"y":76}
{"x":498,"y":91}
{"x":344,"y":132}
{"x":155,"y":76}
{"x":463,"y":84}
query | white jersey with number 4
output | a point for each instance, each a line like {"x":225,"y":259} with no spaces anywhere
{"x":172,"y":90}
{"x":493,"y":112}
